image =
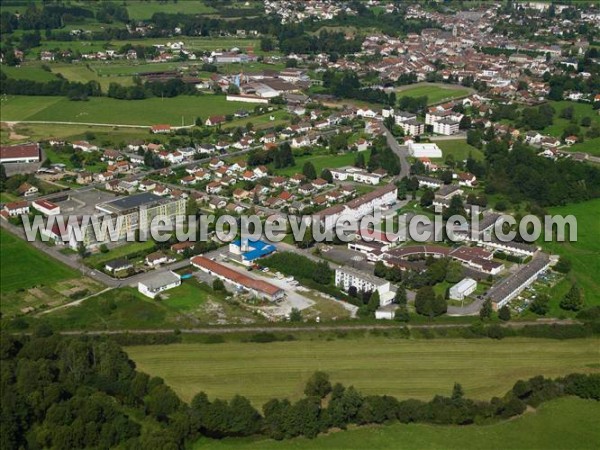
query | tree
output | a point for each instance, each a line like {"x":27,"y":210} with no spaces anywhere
{"x":380,"y":270}
{"x":318,"y":385}
{"x":573,"y":300}
{"x":427,"y":198}
{"x":295,"y":315}
{"x":218,"y":285}
{"x":326,"y":175}
{"x":402,"y":314}
{"x":486,"y":310}
{"x":359,"y":161}
{"x":504,"y":313}
{"x":400,"y":297}
{"x":81,"y":250}
{"x":563,"y":265}
{"x":103,"y":248}
{"x":457,"y":392}
{"x":539,"y":305}
{"x":454,"y":272}
{"x":308,"y":170}
{"x":424,"y":301}
{"x":374,"y":302}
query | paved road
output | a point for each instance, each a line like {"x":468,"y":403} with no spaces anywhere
{"x":311,"y":328}
{"x":401,"y":151}
{"x":74,"y":262}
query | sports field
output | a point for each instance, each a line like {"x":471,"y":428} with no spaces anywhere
{"x":585,"y":253}
{"x":436,"y":93}
{"x":562,"y":424}
{"x":374,"y":365}
{"x":22,"y":266}
{"x":107,"y":110}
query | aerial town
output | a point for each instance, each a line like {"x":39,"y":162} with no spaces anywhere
{"x":461,"y":138}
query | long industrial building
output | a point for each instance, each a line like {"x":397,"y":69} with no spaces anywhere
{"x":258,"y":288}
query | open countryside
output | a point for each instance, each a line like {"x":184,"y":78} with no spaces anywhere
{"x":320,"y":110}
{"x":405,"y":369}
{"x":554,"y":425}
{"x":145,"y":112}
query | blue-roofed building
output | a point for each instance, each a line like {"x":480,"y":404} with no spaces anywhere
{"x":251,"y":250}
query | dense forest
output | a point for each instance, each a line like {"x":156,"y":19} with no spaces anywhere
{"x":522,"y":175}
{"x":84,"y":392}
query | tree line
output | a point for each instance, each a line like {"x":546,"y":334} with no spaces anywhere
{"x":84,"y":392}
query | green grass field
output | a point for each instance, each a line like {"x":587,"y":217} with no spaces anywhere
{"x":107,"y":110}
{"x":459,"y":149}
{"x":591,"y":146}
{"x":580,"y":110}
{"x":28,"y":72}
{"x":436,"y":93}
{"x":562,"y":424}
{"x":320,"y":162}
{"x":140,"y":10}
{"x":374,"y":365}
{"x":22,"y":266}
{"x":585,"y":253}
{"x":192,"y":304}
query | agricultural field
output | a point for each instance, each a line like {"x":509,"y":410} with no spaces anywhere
{"x":140,"y":10}
{"x":561,"y":424}
{"x":320,"y":162}
{"x":584,"y":254}
{"x":18,"y":257}
{"x":459,"y":149}
{"x":32,"y":72}
{"x":145,"y":112}
{"x":374,"y":365}
{"x":435,"y":92}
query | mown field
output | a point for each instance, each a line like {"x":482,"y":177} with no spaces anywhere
{"x":562,"y":424}
{"x":436,"y":93}
{"x":22,"y":266}
{"x":143,"y":10}
{"x":374,"y":365}
{"x":107,"y":110}
{"x":584,"y":254}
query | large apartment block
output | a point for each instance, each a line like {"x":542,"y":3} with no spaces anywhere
{"x":129,"y":212}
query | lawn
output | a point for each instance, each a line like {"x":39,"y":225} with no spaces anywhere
{"x":119,"y":252}
{"x":107,"y":110}
{"x":585,"y":253}
{"x":374,"y":365}
{"x":436,"y":93}
{"x":320,"y":162}
{"x":22,"y":266}
{"x":562,"y":424}
{"x":459,"y":149}
{"x":580,"y":110}
{"x":591,"y":146}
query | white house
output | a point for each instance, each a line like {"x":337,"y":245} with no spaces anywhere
{"x":463,"y":288}
{"x":159,"y":283}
